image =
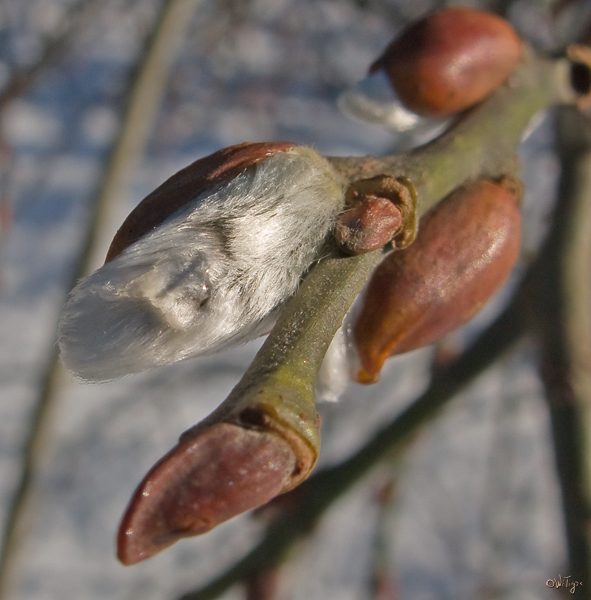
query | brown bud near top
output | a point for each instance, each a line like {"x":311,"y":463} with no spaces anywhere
{"x":463,"y":253}
{"x":450,"y":60}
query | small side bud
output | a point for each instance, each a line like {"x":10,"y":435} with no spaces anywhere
{"x":450,"y":60}
{"x":368,"y":225}
{"x":379,"y":210}
{"x":464,"y":252}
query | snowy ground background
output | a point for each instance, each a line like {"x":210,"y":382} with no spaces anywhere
{"x":476,"y":511}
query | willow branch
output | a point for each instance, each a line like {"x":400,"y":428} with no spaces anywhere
{"x":317,"y":493}
{"x":481,"y":144}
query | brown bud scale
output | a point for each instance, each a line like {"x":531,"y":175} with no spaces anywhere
{"x":465,"y":250}
{"x":203,"y":481}
{"x":188,"y":184}
{"x":368,"y":225}
{"x":450,"y":60}
{"x":380,"y":210}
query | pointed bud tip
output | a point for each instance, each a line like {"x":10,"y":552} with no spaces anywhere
{"x":222,"y":472}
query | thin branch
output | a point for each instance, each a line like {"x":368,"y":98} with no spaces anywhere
{"x":382,"y":585}
{"x":262,"y":585}
{"x":147,"y":90}
{"x":317,"y":494}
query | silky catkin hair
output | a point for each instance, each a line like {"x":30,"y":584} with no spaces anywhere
{"x":210,"y":276}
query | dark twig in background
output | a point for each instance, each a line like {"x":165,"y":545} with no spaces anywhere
{"x":562,"y":295}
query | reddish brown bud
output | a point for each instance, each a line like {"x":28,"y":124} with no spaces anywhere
{"x":465,"y":250}
{"x":379,"y":210}
{"x":368,"y":225}
{"x":450,"y":60}
{"x":224,"y":470}
{"x":186,"y":185}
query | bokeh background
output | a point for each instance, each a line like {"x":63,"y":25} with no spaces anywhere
{"x":474,"y":506}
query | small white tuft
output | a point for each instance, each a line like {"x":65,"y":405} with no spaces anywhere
{"x":210,"y":277}
{"x":341,"y":361}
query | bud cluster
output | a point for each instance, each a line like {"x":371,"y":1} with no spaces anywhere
{"x":206,"y":261}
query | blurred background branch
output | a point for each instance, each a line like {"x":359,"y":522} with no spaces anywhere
{"x":562,"y":293}
{"x":146,"y":89}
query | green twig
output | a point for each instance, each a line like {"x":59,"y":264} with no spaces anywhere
{"x":322,"y":489}
{"x":482,"y":143}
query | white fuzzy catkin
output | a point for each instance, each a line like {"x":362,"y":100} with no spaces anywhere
{"x":210,"y":276}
